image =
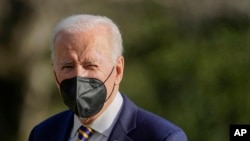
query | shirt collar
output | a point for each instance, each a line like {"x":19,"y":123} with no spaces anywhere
{"x":105,"y":120}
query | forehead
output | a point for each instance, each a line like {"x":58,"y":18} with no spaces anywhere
{"x":87,"y":44}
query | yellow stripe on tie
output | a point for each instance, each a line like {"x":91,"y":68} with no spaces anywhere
{"x":84,"y":134}
{"x":90,"y":129}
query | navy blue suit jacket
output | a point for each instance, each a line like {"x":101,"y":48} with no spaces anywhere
{"x":134,"y":124}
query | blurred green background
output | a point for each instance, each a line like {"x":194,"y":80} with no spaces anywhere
{"x":187,"y":61}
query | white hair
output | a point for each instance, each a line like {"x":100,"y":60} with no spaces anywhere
{"x":83,"y":22}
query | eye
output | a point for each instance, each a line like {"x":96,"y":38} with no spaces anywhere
{"x":67,"y":68}
{"x":91,"y":66}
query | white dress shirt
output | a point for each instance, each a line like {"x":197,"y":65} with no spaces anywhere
{"x":103,"y":125}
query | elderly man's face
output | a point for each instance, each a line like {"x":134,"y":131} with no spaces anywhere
{"x":87,"y":54}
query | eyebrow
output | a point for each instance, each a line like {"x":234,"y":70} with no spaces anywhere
{"x":89,"y":60}
{"x":64,"y":62}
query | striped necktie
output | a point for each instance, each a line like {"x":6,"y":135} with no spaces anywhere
{"x":84,"y":133}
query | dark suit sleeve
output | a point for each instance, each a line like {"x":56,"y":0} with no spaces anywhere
{"x":31,"y":135}
{"x":178,"y":135}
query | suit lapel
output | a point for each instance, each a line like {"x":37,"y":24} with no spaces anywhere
{"x":126,"y":121}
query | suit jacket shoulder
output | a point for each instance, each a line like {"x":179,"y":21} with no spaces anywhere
{"x":136,"y":124}
{"x":55,"y":128}
{"x":154,"y":128}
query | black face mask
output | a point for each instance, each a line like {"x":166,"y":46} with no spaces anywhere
{"x":84,"y":96}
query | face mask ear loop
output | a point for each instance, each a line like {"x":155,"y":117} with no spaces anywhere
{"x":113,"y":86}
{"x":56,"y":78}
{"x":110,"y":93}
{"x":109,"y":75}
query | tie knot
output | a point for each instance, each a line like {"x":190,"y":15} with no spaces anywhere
{"x":84,"y":133}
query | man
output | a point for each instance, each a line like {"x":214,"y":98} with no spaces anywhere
{"x":88,"y":68}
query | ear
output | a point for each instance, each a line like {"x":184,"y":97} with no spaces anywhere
{"x":119,"y":70}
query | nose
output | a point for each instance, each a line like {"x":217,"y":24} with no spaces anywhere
{"x":80,"y":71}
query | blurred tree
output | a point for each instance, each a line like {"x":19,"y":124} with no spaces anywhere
{"x":199,"y":72}
{"x":15,"y":16}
